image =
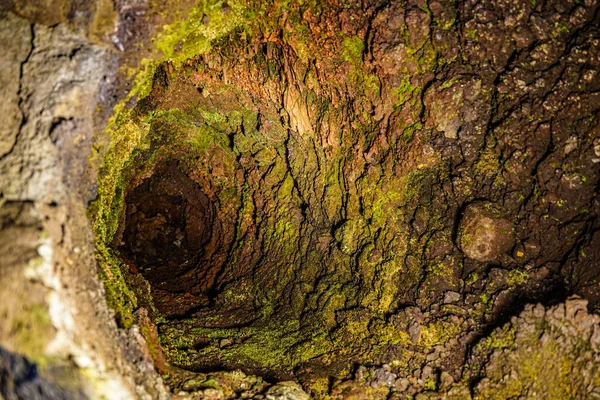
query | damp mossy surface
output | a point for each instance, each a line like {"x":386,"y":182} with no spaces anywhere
{"x":338,"y":183}
{"x":309,"y":327}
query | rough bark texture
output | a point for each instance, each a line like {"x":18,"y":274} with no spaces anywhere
{"x":364,"y":198}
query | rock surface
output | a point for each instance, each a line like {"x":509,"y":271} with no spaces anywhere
{"x":393,"y":184}
{"x":58,"y":338}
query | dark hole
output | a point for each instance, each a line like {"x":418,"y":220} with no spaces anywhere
{"x":168,"y":223}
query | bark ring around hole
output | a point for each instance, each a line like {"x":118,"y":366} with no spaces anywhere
{"x":168,"y":232}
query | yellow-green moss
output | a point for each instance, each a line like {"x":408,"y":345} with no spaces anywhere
{"x":206,"y":22}
{"x":517,"y":277}
{"x":282,"y":343}
{"x":353,"y":49}
{"x":438,"y":333}
{"x":544,"y":369}
{"x":404,"y":92}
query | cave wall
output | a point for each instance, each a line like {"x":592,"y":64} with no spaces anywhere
{"x":391,"y":184}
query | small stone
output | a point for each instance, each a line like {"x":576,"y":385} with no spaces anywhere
{"x":286,"y":391}
{"x":213,"y":394}
{"x":383,"y":377}
{"x":483,"y":234}
{"x":402,"y":384}
{"x":414,"y":332}
{"x":446,"y":380}
{"x":451,"y":297}
{"x":417,"y":373}
{"x":427,"y":373}
{"x":226,"y":8}
{"x":432,"y":356}
{"x":360,"y":373}
{"x":575,"y":304}
{"x":571,"y":144}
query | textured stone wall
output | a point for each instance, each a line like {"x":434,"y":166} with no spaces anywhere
{"x":362,"y":200}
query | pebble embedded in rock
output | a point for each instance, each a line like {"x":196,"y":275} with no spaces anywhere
{"x":414,"y":332}
{"x":451,"y":297}
{"x":286,"y":391}
{"x":483,"y":234}
{"x":571,"y":144}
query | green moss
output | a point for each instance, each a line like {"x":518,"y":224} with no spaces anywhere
{"x":153,"y":347}
{"x":472,"y":34}
{"x":501,"y":340}
{"x":559,"y":32}
{"x":274,"y":346}
{"x":131,"y":151}
{"x":352,"y":51}
{"x":409,"y":131}
{"x":545,"y":368}
{"x":417,"y":180}
{"x":372,"y":85}
{"x":348,"y":235}
{"x":300,"y":42}
{"x":353,"y":48}
{"x":449,"y":83}
{"x":488,"y":164}
{"x":442,"y":270}
{"x":428,"y":59}
{"x":191,"y":36}
{"x":129,"y":133}
{"x":430,"y":384}
{"x":438,"y":333}
{"x":404,"y":92}
{"x":517,"y":277}
{"x":203,"y":136}
{"x":118,"y":295}
{"x":446,"y":24}
{"x":472,"y":278}
{"x":485,"y":298}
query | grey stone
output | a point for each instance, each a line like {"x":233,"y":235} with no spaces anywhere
{"x":451,"y":297}
{"x":286,"y":391}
